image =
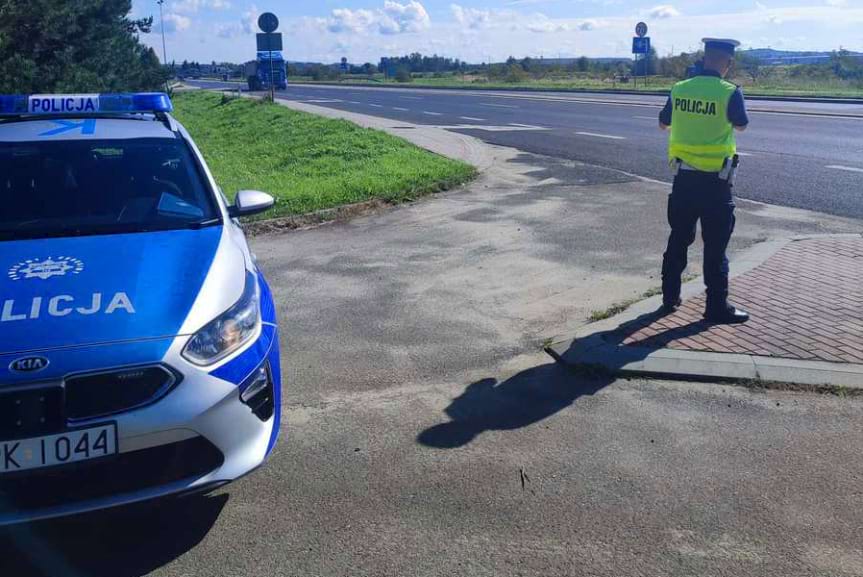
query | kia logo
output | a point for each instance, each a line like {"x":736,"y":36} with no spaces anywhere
{"x":28,"y":364}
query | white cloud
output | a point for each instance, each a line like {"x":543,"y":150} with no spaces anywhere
{"x":588,"y":25}
{"x":247,"y":24}
{"x":664,"y":11}
{"x":401,"y":18}
{"x":837,"y":3}
{"x":471,"y":18}
{"x":249,"y":20}
{"x":542,"y":24}
{"x":192,"y":6}
{"x":347,"y":20}
{"x":176,"y":23}
{"x":393,"y":18}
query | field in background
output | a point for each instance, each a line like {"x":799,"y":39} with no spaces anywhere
{"x":307,"y":162}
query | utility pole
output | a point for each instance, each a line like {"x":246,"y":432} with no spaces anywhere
{"x":164,"y":49}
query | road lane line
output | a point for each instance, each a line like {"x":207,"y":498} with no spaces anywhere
{"x":845,"y":168}
{"x":647,"y":118}
{"x":411,"y":97}
{"x":376,"y":105}
{"x":497,"y":105}
{"x":474,"y":119}
{"x":595,"y":135}
{"x":400,"y":109}
{"x":523,"y":125}
{"x":353,"y":102}
{"x":432,"y":113}
{"x":744,"y":153}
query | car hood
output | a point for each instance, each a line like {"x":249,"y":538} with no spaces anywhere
{"x":70,"y":292}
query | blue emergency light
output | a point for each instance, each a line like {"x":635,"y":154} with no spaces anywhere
{"x":84,"y":104}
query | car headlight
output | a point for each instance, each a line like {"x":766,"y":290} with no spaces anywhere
{"x":229,"y":331}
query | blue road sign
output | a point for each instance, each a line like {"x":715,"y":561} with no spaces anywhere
{"x":641,"y":45}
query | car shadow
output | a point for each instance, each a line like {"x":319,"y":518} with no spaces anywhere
{"x":127,"y":541}
{"x":521,"y":400}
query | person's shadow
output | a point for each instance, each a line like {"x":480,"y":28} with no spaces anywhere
{"x":126,"y":541}
{"x":524,"y":399}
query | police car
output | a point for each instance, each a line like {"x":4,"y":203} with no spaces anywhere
{"x":138,"y":343}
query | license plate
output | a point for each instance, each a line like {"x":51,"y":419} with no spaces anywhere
{"x":59,"y":449}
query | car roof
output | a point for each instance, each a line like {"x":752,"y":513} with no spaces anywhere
{"x":34,"y":129}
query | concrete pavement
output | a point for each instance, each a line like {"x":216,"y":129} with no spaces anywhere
{"x":426,"y":434}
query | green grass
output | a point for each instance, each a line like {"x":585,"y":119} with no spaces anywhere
{"x":306,"y":162}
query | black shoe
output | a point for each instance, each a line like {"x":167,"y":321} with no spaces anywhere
{"x":727,"y":316}
{"x":669,"y":307}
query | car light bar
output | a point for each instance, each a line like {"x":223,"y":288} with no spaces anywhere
{"x":83,"y":104}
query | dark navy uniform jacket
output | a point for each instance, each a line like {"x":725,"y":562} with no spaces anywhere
{"x":737,"y":114}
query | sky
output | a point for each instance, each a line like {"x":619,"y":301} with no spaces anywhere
{"x":479,"y":30}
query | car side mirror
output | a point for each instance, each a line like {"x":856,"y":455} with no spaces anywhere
{"x":249,"y":202}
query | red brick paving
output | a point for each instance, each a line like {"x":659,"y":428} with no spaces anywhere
{"x":805,"y":302}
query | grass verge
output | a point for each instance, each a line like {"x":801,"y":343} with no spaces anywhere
{"x":306,"y":162}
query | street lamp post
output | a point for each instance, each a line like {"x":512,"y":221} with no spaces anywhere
{"x":164,"y":49}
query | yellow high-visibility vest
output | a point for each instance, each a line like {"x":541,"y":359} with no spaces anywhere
{"x":701,"y":134}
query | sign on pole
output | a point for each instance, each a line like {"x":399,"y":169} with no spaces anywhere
{"x":641,"y":45}
{"x":270,"y":42}
{"x":268,"y":22}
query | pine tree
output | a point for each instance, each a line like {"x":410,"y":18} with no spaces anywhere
{"x":83,"y":46}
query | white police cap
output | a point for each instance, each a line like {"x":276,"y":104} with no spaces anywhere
{"x":726,"y":45}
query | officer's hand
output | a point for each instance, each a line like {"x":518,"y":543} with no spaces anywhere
{"x":663,"y":126}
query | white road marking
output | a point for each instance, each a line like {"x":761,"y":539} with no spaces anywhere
{"x":744,"y":153}
{"x":656,"y":118}
{"x":497,"y":105}
{"x":324,"y":101}
{"x":595,"y":135}
{"x":472,"y":118}
{"x":353,"y":102}
{"x":845,"y":168}
{"x":493,"y":128}
{"x":375,"y":105}
{"x":432,"y":113}
{"x":411,"y":97}
{"x":400,"y":109}
{"x":523,"y":125}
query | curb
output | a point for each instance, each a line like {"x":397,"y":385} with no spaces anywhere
{"x":590,"y":349}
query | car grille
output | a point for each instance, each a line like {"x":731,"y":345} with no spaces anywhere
{"x":101,"y":394}
{"x":115,"y":475}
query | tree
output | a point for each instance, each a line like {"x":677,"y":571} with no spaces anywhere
{"x":583,"y":64}
{"x":81,"y":46}
{"x":403,"y":74}
{"x":749,"y":64}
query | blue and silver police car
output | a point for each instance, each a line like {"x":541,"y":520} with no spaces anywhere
{"x":138,"y":344}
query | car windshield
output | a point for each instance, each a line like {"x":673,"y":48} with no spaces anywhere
{"x":75,"y":188}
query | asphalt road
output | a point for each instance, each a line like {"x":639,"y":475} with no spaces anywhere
{"x":790,"y":158}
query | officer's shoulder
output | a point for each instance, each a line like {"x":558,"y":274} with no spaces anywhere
{"x":730,"y":86}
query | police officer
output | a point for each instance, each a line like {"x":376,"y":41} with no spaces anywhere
{"x":703,"y":113}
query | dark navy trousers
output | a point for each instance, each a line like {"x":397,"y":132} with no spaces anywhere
{"x":699,"y":196}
